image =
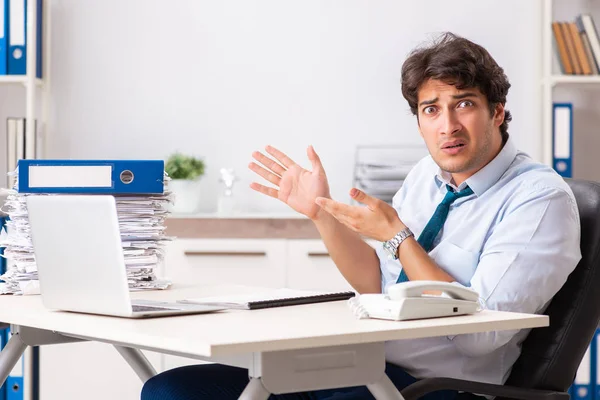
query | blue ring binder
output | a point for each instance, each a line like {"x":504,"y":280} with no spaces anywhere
{"x":91,"y":176}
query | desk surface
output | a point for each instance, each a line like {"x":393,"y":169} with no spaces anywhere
{"x":241,"y":331}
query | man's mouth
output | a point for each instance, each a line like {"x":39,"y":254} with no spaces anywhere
{"x":453,"y":145}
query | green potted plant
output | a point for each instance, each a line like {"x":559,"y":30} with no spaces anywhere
{"x":185,"y":172}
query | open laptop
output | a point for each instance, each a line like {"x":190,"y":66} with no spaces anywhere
{"x":80,"y":262}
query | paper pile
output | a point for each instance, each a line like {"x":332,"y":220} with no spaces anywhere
{"x":380,"y":171}
{"x":142,"y":225}
{"x":382,"y":181}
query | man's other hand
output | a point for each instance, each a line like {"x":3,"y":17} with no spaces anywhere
{"x":378,"y":220}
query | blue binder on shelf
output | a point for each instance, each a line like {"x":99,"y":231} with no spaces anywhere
{"x":17,"y":38}
{"x":4,"y":332}
{"x":14,"y":381}
{"x":13,"y":387}
{"x":584,"y":383}
{"x":91,"y":176}
{"x":3,"y":37}
{"x":562,"y":139}
{"x":3,"y":340}
{"x":595,"y":348}
{"x":38,"y":39}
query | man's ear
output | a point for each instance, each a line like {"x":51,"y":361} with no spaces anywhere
{"x":499,"y":114}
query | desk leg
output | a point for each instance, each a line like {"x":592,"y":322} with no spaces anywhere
{"x":384,"y":389}
{"x":138,"y":361}
{"x":10,"y":355}
{"x":255,"y":391}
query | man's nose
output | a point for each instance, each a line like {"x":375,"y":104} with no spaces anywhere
{"x":450,"y":123}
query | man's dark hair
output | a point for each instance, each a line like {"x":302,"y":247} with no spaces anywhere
{"x":458,"y":62}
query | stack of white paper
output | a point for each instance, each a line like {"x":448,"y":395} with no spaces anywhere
{"x":380,"y":171}
{"x":382,"y":180}
{"x":142,"y":225}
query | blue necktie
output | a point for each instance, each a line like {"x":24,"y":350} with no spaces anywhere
{"x":436,"y":222}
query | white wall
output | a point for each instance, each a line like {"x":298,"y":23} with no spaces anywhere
{"x":219,"y":79}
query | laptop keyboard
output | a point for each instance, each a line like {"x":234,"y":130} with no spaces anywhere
{"x":140,"y":308}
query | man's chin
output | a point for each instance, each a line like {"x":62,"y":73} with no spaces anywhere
{"x":452,"y":166}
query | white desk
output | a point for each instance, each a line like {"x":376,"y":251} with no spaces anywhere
{"x":286,"y":349}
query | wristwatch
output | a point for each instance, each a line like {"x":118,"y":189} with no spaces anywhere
{"x":391,"y":246}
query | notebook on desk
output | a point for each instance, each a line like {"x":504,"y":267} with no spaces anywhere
{"x":272,"y":298}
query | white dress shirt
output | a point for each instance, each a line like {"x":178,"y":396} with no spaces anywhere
{"x":514,"y":241}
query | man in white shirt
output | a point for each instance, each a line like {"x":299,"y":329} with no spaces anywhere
{"x":475,"y":212}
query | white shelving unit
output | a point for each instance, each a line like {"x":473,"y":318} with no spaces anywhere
{"x":35,"y":89}
{"x":580,"y":79}
{"x":551,"y":79}
{"x":4,"y":79}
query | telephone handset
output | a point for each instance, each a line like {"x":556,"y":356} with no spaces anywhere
{"x":407,"y":300}
{"x":416,"y":289}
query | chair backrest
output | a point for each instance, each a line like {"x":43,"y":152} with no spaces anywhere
{"x":550,"y":356}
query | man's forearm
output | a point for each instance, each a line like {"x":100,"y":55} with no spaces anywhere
{"x":417,"y":264}
{"x":356,"y":260}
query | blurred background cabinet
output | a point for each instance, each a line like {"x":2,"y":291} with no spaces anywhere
{"x":254,"y":262}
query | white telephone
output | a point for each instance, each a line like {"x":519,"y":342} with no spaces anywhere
{"x":406,"y":300}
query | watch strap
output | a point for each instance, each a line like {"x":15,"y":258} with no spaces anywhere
{"x":392,"y":245}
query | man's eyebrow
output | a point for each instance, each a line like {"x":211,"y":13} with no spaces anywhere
{"x":464,"y":95}
{"x":428,"y":102}
{"x":456,"y":96}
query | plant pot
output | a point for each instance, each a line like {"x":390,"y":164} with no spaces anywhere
{"x":186,"y":195}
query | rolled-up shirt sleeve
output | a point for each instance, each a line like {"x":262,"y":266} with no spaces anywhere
{"x":525,"y":261}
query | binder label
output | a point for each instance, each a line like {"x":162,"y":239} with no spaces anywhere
{"x":562,"y":144}
{"x":42,"y":176}
{"x":17,"y":25}
{"x":2,"y":19}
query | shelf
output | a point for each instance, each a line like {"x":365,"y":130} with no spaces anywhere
{"x":241,"y":215}
{"x":578,"y":79}
{"x":21,"y":79}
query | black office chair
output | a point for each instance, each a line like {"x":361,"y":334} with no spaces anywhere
{"x":550,"y":356}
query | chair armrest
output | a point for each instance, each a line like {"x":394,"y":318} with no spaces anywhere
{"x":428,"y":385}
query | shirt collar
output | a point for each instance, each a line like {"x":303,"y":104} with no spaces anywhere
{"x":487,"y":176}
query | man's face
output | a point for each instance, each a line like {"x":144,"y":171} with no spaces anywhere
{"x":461,"y":135}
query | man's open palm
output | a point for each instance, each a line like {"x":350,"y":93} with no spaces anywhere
{"x":296,"y":186}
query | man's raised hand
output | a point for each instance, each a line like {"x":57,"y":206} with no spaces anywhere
{"x":294,"y":185}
